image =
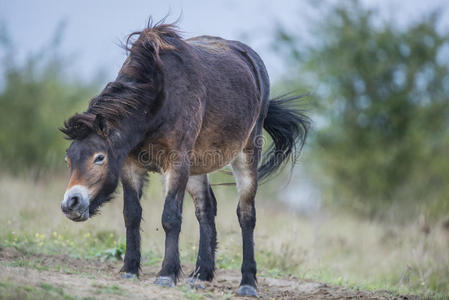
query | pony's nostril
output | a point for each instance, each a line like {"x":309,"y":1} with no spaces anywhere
{"x":73,"y":201}
{"x":76,"y":201}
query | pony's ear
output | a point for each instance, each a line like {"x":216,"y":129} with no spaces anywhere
{"x":101,"y":126}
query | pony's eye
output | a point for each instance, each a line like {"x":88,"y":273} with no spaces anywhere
{"x":99,"y":159}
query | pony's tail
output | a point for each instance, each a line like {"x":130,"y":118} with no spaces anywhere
{"x":288,"y":127}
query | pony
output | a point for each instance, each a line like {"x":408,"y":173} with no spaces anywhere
{"x":183,"y":108}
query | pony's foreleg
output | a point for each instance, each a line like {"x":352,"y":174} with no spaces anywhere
{"x":205,"y":211}
{"x":132,"y":177}
{"x":244,"y":168}
{"x":176,"y":181}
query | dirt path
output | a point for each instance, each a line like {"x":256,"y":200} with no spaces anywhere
{"x":96,"y":279}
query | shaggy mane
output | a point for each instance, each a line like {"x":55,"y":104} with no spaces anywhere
{"x":139,"y":83}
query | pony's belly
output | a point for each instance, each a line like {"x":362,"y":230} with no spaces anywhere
{"x":203,"y":160}
{"x":219,"y":143}
{"x":212,"y":159}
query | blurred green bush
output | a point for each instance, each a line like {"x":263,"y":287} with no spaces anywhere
{"x":35,"y":98}
{"x":381,"y":108}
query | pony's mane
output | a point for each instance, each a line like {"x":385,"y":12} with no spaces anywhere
{"x":138,"y":85}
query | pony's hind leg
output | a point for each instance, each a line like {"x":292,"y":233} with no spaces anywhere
{"x":133,"y":178}
{"x":244,"y":168}
{"x":205,"y":211}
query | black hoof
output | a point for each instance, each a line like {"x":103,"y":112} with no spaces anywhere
{"x":165,"y":281}
{"x":195,"y":283}
{"x":128,"y":276}
{"x":247,"y":291}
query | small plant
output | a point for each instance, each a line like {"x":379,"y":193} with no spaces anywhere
{"x":117,"y":252}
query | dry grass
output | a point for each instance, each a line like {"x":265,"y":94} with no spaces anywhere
{"x":327,"y":247}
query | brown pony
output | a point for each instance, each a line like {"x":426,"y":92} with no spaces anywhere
{"x":183,"y":108}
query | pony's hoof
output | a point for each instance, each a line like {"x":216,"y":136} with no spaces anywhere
{"x":127,"y":275}
{"x":247,"y":291}
{"x":165,"y":281}
{"x":195,"y":283}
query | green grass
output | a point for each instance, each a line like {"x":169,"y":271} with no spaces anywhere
{"x":191,"y":294}
{"x":42,"y":291}
{"x":26,"y":263}
{"x":281,"y":264}
{"x":112,"y":290}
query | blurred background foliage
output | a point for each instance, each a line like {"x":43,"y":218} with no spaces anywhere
{"x":379,"y":100}
{"x":35,"y":98}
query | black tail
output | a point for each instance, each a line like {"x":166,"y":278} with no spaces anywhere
{"x":288,"y":127}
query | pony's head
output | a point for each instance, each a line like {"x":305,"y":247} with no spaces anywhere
{"x":115,"y":122}
{"x":94,"y":167}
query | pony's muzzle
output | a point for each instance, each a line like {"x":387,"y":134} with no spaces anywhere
{"x":76,"y":203}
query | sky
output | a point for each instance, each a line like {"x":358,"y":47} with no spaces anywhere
{"x":93,"y":29}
